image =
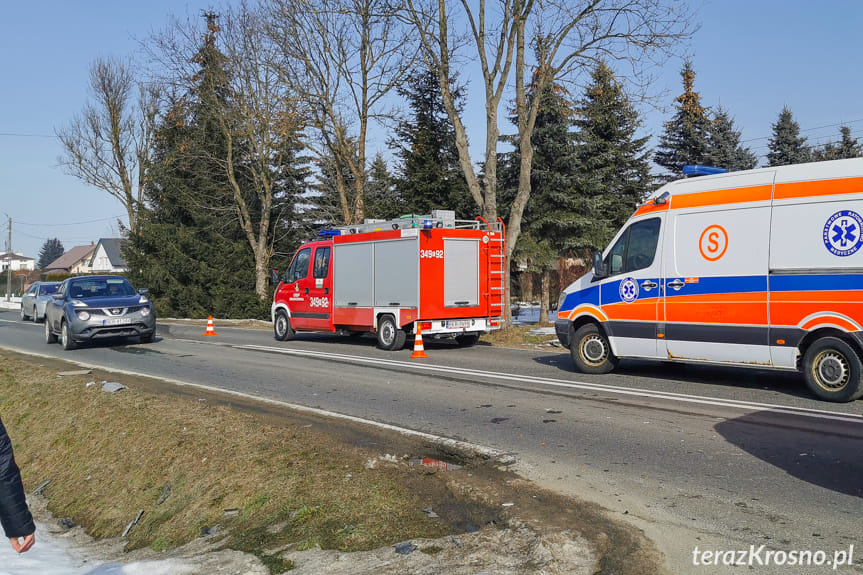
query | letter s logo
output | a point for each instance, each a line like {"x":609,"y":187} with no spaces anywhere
{"x":713,"y":243}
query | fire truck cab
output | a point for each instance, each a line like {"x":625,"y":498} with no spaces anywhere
{"x":388,"y":277}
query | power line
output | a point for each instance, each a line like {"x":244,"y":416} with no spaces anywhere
{"x":19,"y":135}
{"x":807,"y":130}
{"x":69,"y":223}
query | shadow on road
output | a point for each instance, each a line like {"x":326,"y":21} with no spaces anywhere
{"x":785,"y":382}
{"x":821,"y":452}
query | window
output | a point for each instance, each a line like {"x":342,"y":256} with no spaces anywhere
{"x":47,"y":289}
{"x":322,"y":263}
{"x":635,"y":249}
{"x":300,"y":266}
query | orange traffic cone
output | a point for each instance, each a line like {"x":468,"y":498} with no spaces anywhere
{"x":210,"y":329}
{"x":418,"y":344}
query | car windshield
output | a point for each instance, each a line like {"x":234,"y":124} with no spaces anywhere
{"x":48,"y":289}
{"x":100,"y":287}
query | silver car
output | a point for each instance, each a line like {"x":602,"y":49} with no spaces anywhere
{"x":35,"y":299}
{"x":89,"y":308}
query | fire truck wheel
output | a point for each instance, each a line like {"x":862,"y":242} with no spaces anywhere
{"x":590,"y":350}
{"x":833,"y":369}
{"x":467,"y":340}
{"x":282,"y":330}
{"x":390,"y":337}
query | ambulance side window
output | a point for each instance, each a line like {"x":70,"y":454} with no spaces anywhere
{"x":635,"y":249}
{"x":322,"y":263}
{"x":300,"y":266}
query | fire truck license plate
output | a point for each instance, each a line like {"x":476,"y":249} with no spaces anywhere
{"x":117,"y":321}
{"x":458,"y":323}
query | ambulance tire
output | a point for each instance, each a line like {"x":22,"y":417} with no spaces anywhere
{"x":590,"y":350}
{"x":390,"y":337}
{"x":832,"y":369}
{"x":282,"y":329}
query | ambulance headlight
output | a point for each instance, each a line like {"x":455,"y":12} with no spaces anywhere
{"x":560,"y":300}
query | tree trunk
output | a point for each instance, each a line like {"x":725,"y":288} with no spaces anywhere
{"x":544,"y":299}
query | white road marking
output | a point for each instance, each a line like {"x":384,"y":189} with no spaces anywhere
{"x":501,"y":456}
{"x":667,"y":395}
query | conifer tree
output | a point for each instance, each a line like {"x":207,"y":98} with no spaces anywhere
{"x":382,"y":198}
{"x":686,"y":137}
{"x":786,"y":145}
{"x":51,"y":250}
{"x":724,"y":149}
{"x":430,"y":176}
{"x":847,"y":147}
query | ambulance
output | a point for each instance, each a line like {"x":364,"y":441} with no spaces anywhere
{"x":754,"y":268}
{"x":434,"y":273}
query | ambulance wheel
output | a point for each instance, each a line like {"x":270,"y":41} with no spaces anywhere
{"x":590,"y":350}
{"x":282,"y":329}
{"x":467,"y":340}
{"x":833,"y":369}
{"x":390,"y":337}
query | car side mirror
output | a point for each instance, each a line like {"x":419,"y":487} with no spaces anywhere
{"x":143,"y":291}
{"x":57,"y":296}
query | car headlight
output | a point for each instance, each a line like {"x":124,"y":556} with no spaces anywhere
{"x":83,"y":315}
{"x":145,"y":311}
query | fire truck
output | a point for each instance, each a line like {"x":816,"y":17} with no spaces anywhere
{"x":388,"y":277}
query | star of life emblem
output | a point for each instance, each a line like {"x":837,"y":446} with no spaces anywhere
{"x":628,"y":290}
{"x":842,"y":233}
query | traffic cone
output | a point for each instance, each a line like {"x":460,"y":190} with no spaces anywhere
{"x":210,"y":329}
{"x":418,"y":344}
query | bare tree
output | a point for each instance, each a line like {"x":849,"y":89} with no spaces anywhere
{"x":257,"y":115}
{"x":108,"y":144}
{"x":344,"y":57}
{"x":570,"y":36}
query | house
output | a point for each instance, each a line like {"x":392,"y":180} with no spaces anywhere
{"x":107,"y":257}
{"x":74,"y":261}
{"x":17,"y":262}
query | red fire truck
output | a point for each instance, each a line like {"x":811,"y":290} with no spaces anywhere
{"x":387,"y":277}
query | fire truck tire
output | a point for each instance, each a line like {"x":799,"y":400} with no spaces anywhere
{"x":282,"y":329}
{"x":590,"y":350}
{"x":390,"y":336}
{"x":833,"y":370}
{"x":467,"y":340}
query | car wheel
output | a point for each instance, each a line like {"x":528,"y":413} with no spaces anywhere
{"x":390,"y":337}
{"x":66,"y":337}
{"x":23,"y":315}
{"x":35,"y":317}
{"x":590,"y":350}
{"x":467,"y":340}
{"x":49,"y":335}
{"x":832,"y":369}
{"x":282,"y":330}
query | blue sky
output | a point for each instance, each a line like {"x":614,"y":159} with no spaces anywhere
{"x":753,"y":57}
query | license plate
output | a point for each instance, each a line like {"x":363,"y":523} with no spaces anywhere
{"x":117,"y":321}
{"x":458,"y":323}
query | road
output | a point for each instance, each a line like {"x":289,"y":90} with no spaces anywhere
{"x":718,"y":458}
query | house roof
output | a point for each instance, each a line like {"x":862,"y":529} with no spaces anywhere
{"x":71,"y":257}
{"x":15,"y":257}
{"x":112,"y":250}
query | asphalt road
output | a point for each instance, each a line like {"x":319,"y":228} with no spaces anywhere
{"x":718,"y":458}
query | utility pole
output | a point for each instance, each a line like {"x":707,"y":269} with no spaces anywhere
{"x":9,"y":264}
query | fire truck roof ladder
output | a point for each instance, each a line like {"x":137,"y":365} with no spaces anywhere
{"x":496,"y":272}
{"x":437,"y":219}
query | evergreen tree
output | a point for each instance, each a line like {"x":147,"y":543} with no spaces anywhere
{"x":786,"y":145}
{"x":430,"y":176}
{"x":686,"y":137}
{"x":51,"y":250}
{"x":382,"y":199}
{"x":612,"y":164}
{"x":724,"y":149}
{"x":847,"y":147}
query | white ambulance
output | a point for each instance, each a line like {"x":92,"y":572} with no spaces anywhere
{"x":755,"y":268}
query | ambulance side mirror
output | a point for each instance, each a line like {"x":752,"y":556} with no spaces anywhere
{"x":598,"y":268}
{"x":274,"y":277}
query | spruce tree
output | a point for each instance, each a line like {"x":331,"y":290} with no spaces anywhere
{"x":382,"y":199}
{"x":51,"y":250}
{"x":847,"y":147}
{"x":430,"y":176}
{"x":724,"y":149}
{"x":686,"y":137}
{"x":786,"y":145}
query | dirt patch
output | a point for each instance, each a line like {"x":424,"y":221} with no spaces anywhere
{"x":215,"y":472}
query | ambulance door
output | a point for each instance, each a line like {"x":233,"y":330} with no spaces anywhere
{"x":715,"y":282}
{"x":629,"y":295}
{"x":320,"y":287}
{"x":297,"y":288}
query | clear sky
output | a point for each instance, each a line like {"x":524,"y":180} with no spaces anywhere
{"x":751,"y":56}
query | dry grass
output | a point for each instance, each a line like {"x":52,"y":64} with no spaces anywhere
{"x":516,"y":336}
{"x":110,"y":455}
